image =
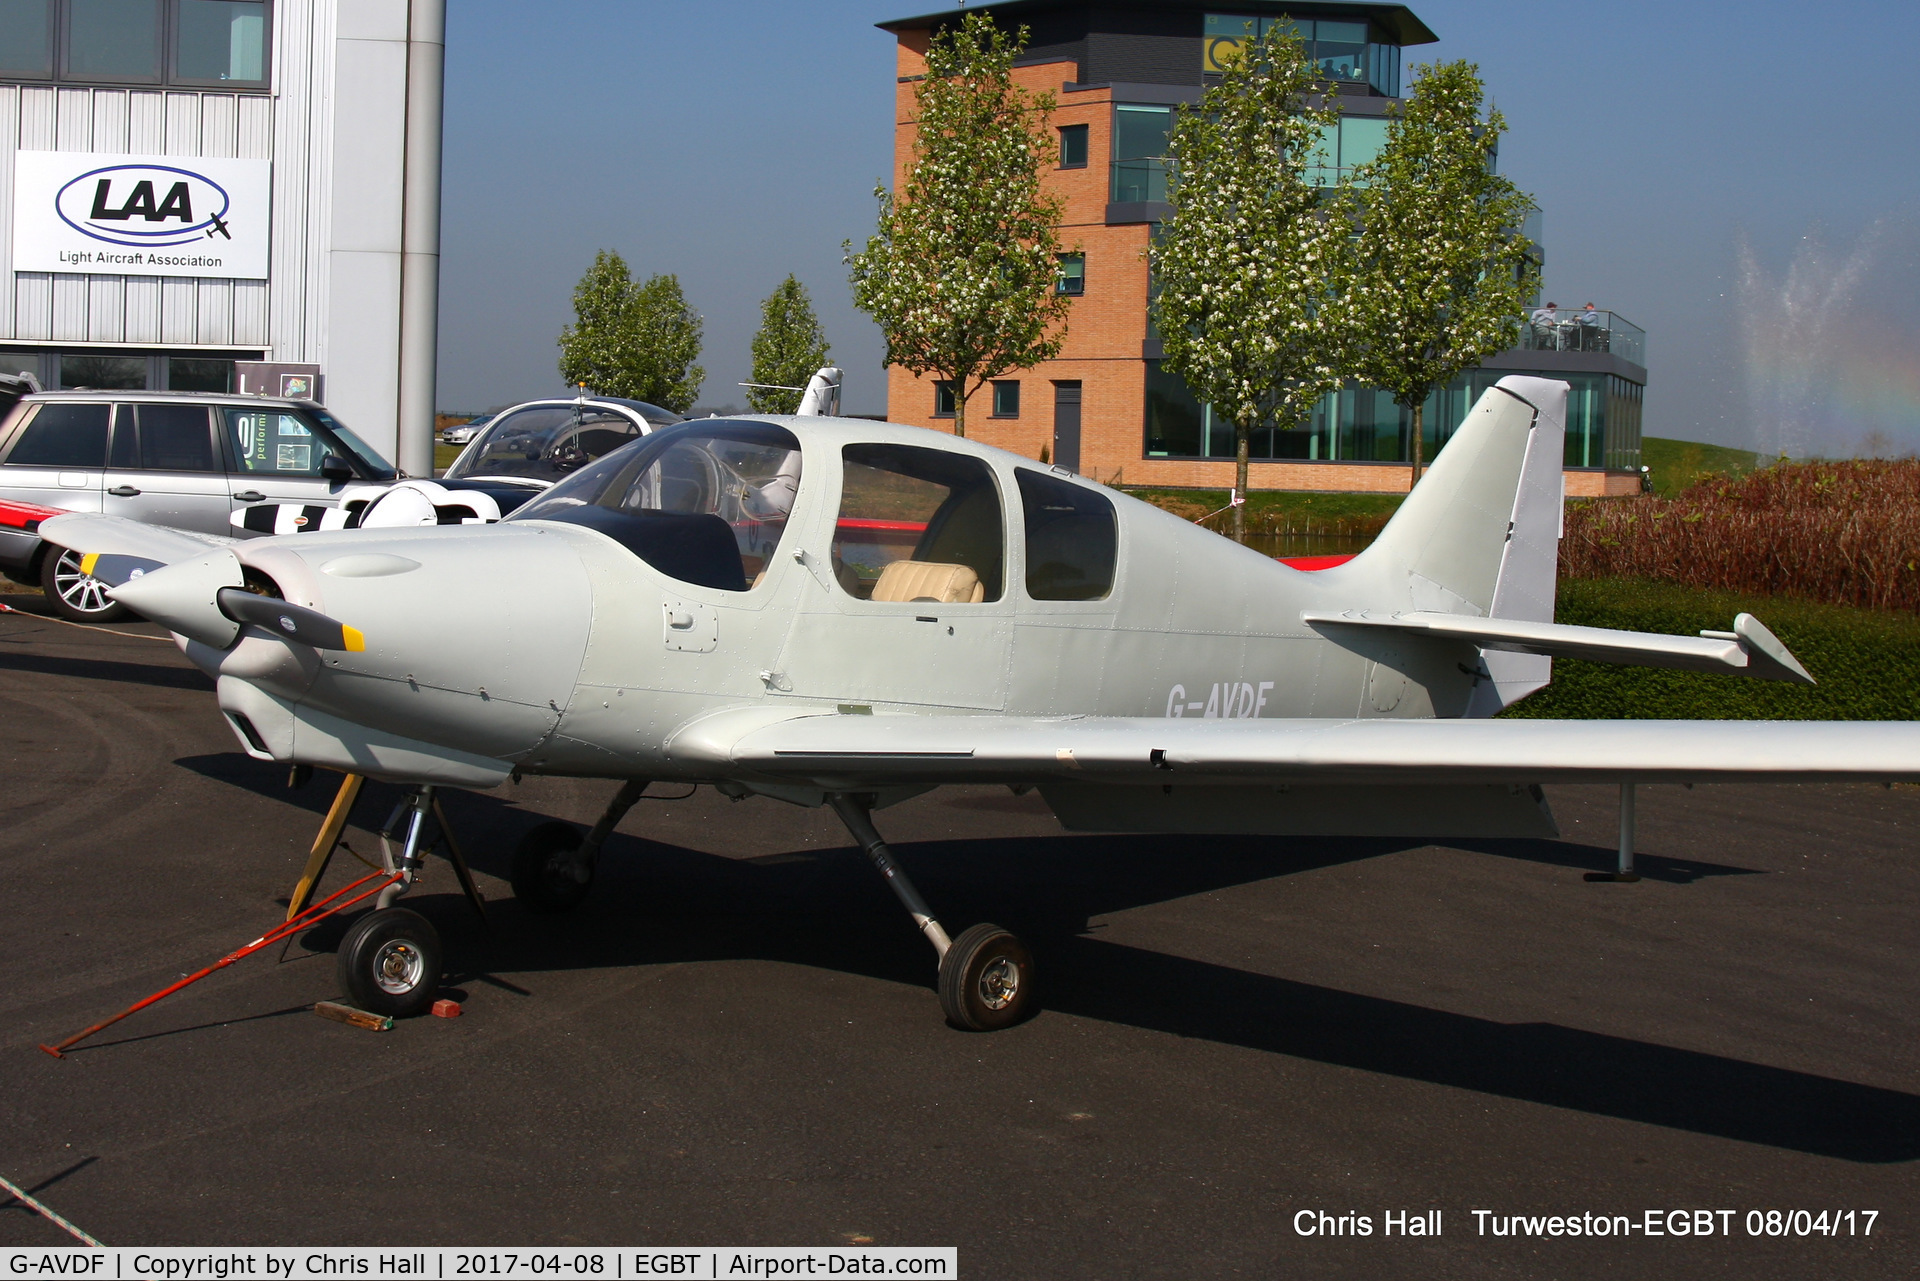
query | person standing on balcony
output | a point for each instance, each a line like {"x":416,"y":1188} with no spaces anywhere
{"x":1546,"y":322}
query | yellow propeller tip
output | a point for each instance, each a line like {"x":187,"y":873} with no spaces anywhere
{"x":356,"y":643}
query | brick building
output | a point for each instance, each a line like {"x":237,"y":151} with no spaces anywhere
{"x":1106,"y":407}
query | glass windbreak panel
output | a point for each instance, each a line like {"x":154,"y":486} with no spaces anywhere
{"x":175,"y":438}
{"x":103,"y":373}
{"x":548,"y":442}
{"x":1361,"y":140}
{"x":1073,"y":146}
{"x":371,"y":464}
{"x":188,"y":373}
{"x":1072,"y":538}
{"x":26,"y":38}
{"x":918,"y":525}
{"x":113,"y":39}
{"x":63,"y":436}
{"x":274,"y":442}
{"x":705,"y":502}
{"x":1340,"y":49}
{"x":221,"y":40}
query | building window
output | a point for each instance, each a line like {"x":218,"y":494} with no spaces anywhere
{"x":1006,"y":399}
{"x":1073,"y":275}
{"x":1073,"y":146}
{"x":221,"y":43}
{"x":1140,"y":152}
{"x":1342,"y":50}
{"x":192,"y":373}
{"x":943,"y":400}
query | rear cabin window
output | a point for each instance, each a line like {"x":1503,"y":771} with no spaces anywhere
{"x":63,"y":436}
{"x":172,"y":438}
{"x":705,"y":503}
{"x":918,"y":525}
{"x":1072,"y":538}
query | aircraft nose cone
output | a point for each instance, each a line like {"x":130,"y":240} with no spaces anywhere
{"x":184,"y":597}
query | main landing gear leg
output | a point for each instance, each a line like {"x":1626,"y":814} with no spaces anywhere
{"x":389,"y":960}
{"x":986,"y":975}
{"x":553,"y":866}
{"x":1624,"y":869}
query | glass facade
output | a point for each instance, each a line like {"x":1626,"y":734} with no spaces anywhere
{"x":135,"y":42}
{"x":1344,"y":50}
{"x":1364,"y":425}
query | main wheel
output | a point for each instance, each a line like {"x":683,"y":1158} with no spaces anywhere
{"x":986,"y":980}
{"x":75,"y":594}
{"x":548,"y":874}
{"x":389,"y":962}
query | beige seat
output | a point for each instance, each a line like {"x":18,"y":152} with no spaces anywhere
{"x":929,"y":581}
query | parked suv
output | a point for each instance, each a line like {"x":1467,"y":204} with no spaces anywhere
{"x":184,"y":459}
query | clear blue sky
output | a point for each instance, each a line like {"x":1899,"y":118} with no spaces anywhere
{"x":732,"y":144}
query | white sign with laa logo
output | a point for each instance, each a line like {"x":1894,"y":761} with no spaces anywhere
{"x":99,"y":213}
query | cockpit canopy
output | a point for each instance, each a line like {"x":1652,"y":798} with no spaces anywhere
{"x":705,"y":502}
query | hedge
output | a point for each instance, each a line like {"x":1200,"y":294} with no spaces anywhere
{"x":1867,"y":662}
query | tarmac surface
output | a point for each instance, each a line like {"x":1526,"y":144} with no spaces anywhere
{"x":735,"y":1040}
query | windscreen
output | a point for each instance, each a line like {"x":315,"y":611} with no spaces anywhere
{"x":705,"y":502}
{"x":372,"y":465}
{"x":545,"y":442}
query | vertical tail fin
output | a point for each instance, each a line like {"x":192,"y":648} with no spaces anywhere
{"x":1480,"y":533}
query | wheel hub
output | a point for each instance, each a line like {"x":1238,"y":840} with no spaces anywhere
{"x":999,"y":983}
{"x":397,"y":967}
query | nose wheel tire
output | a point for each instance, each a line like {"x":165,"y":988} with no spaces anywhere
{"x":986,"y":980}
{"x":548,"y":873}
{"x":389,"y":962}
{"x":74,"y":594}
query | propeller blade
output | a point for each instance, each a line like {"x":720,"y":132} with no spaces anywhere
{"x":117,"y":571}
{"x":295,"y":622}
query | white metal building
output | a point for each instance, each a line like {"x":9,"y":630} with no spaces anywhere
{"x":188,"y":184}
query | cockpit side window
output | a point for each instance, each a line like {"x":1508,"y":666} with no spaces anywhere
{"x":706,"y":503}
{"x":1072,"y":538}
{"x":918,"y":525}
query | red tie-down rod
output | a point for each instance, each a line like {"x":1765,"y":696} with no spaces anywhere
{"x":318,"y":912}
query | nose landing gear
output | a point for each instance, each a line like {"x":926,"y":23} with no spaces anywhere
{"x":390,"y":960}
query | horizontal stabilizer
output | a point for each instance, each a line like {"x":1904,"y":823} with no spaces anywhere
{"x":1748,"y":650}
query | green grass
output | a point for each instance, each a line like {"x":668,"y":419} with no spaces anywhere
{"x":1677,"y":464}
{"x":1867,"y":662}
{"x":1306,"y":513}
{"x":443,"y":456}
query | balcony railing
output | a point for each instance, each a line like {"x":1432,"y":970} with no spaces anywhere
{"x":1570,"y":330}
{"x":1138,"y":180}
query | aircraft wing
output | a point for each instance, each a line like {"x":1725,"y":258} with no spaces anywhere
{"x":86,"y":532}
{"x":1748,"y":650}
{"x":853,"y":752}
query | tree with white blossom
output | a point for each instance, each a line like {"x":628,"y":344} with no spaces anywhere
{"x":1441,"y":270}
{"x":960,"y":274}
{"x":1249,"y":266}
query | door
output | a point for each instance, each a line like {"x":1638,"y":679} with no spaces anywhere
{"x":58,"y":457}
{"x":276,"y":458}
{"x":165,"y":468}
{"x":1066,"y":425}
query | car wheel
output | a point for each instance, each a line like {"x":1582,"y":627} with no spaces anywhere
{"x":74,"y":593}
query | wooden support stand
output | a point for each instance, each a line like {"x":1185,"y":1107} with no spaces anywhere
{"x":335,"y":825}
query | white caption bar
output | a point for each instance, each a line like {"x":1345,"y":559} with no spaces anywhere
{"x":289,"y":1263}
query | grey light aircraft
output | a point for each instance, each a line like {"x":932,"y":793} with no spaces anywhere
{"x":835,"y":612}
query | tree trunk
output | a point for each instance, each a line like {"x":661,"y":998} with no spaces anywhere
{"x":959,"y":407}
{"x":1419,"y":439}
{"x":1240,"y":434}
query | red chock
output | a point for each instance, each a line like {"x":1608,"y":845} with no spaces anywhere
{"x":445,"y":1009}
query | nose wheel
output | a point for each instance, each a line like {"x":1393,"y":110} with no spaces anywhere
{"x":389,"y":962}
